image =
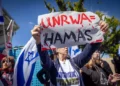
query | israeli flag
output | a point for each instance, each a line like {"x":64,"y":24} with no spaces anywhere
{"x":1,"y":15}
{"x":25,"y":64}
{"x":73,"y":51}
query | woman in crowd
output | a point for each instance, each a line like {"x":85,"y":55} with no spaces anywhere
{"x":7,"y":70}
{"x":97,"y":73}
{"x":65,"y":71}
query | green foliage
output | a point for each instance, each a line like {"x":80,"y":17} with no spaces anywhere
{"x":65,"y":6}
{"x":48,"y":6}
{"x":111,"y":43}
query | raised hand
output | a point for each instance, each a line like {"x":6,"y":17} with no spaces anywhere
{"x":36,"y":33}
{"x":103,"y":26}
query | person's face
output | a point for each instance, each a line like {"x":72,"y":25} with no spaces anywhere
{"x":5,"y":64}
{"x":96,"y":57}
{"x":63,"y":51}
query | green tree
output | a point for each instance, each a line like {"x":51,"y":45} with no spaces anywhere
{"x":65,"y":6}
{"x":111,"y":43}
{"x":112,"y":39}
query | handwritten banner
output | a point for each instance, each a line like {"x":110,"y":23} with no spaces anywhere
{"x":68,"y":28}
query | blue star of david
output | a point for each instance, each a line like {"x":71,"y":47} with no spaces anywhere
{"x":76,"y":51}
{"x":30,"y":57}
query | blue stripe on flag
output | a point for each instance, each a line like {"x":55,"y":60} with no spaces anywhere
{"x":32,"y":71}
{"x":69,"y":50}
{"x":1,"y":19}
{"x":20,"y":75}
{"x":31,"y":74}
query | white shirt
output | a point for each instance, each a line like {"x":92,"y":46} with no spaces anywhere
{"x":67,"y":76}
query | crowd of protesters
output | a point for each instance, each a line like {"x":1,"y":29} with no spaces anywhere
{"x":86,"y":69}
{"x":59,"y":69}
{"x":97,"y":72}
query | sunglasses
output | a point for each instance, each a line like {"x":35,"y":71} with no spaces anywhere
{"x":5,"y":61}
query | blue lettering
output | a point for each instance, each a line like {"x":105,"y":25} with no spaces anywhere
{"x":66,"y":75}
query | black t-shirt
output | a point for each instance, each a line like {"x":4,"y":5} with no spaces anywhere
{"x":94,"y":77}
{"x":106,"y":68}
{"x":116,"y":62}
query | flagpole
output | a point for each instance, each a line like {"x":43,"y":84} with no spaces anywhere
{"x":11,"y":31}
{"x":9,"y":24}
{"x":10,"y":28}
{"x":9,"y":36}
{"x":6,"y":50}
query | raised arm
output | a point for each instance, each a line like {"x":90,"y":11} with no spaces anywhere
{"x":85,"y":56}
{"x":81,"y":59}
{"x":44,"y":57}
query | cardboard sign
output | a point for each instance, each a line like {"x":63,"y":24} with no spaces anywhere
{"x":68,"y":28}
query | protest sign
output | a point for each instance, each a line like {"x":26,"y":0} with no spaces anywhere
{"x":68,"y":28}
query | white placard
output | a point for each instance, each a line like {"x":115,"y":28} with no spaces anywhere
{"x":68,"y":28}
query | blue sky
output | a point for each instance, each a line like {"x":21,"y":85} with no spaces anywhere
{"x":25,"y":13}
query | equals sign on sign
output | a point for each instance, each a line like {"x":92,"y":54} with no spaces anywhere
{"x":92,"y":17}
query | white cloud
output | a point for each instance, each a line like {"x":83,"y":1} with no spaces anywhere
{"x":31,"y":23}
{"x":105,"y":15}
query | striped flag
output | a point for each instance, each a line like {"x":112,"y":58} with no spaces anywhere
{"x":1,"y":15}
{"x":25,"y":64}
{"x":73,"y":51}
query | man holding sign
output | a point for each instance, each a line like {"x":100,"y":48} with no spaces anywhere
{"x":65,"y":71}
